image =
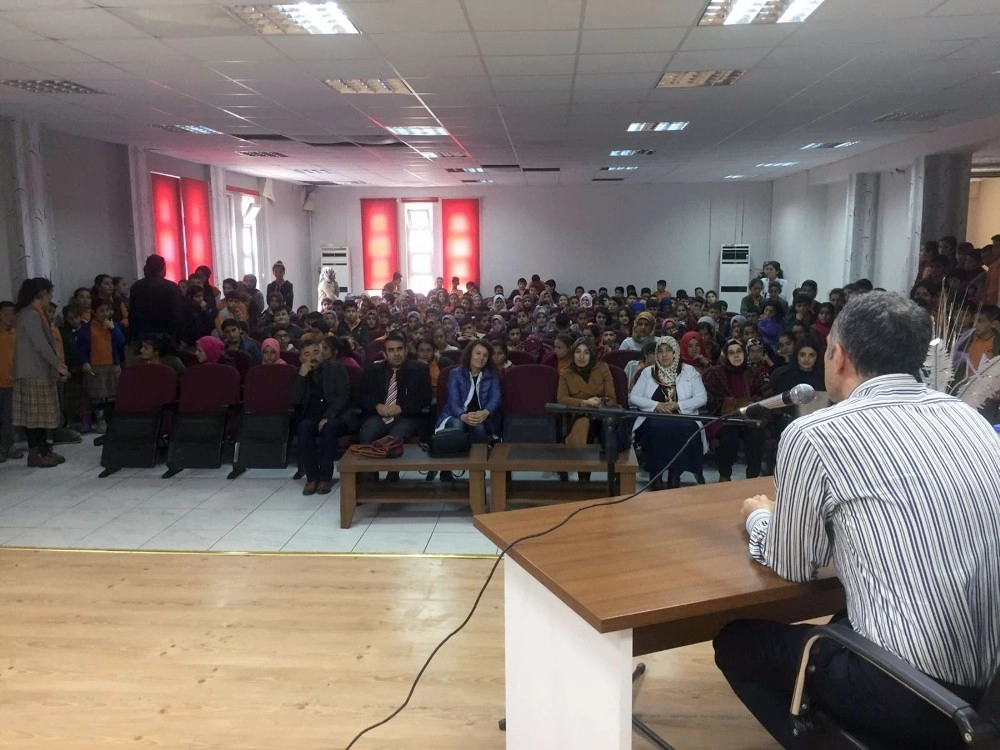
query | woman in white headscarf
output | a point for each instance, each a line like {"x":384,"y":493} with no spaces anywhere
{"x":328,"y":286}
{"x":672,"y":387}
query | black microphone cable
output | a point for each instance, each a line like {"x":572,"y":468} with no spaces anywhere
{"x":503,"y":553}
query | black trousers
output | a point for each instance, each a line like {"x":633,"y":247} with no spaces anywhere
{"x":729,"y":438}
{"x":760,"y":659}
{"x":317,"y":447}
{"x":662,"y":438}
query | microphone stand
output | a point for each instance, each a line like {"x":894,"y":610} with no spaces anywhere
{"x":613,"y":415}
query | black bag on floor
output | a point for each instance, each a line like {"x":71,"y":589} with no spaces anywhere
{"x":449,"y":442}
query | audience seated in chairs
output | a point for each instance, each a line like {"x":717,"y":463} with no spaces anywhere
{"x":585,"y":382}
{"x":473,"y":395}
{"x":669,"y":386}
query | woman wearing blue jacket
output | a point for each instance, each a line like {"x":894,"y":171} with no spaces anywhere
{"x":473,"y":395}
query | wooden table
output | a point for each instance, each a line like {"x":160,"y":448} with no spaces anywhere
{"x":510,"y":457}
{"x":414,"y":458}
{"x":662,"y":570}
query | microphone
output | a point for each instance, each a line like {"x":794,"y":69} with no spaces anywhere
{"x":800,"y":394}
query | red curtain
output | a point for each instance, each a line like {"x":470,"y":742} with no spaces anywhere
{"x":379,"y":240}
{"x":197,"y":223}
{"x":460,"y":230}
{"x":167,"y":227}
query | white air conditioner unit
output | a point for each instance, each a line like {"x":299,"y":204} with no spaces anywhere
{"x":734,"y":275}
{"x":339,"y":259}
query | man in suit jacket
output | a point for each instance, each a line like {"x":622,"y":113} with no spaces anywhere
{"x":398,"y":413}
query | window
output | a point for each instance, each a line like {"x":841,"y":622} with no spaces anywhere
{"x":244,"y":231}
{"x":418,"y":222}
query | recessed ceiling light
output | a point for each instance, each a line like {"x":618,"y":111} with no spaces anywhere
{"x":368,"y":85}
{"x":417,"y":130}
{"x":479,"y":182}
{"x":618,"y":169}
{"x":735,"y":176}
{"x":443,"y":154}
{"x":608,"y":179}
{"x":905,"y":116}
{"x":634,"y":152}
{"x":769,"y":164}
{"x":470,"y":170}
{"x":835,"y":144}
{"x":196,"y":129}
{"x":738,"y":12}
{"x":686,"y":79}
{"x":296,"y":18}
{"x":51,"y":87}
{"x":262,"y":154}
{"x":313,"y":170}
{"x":658,"y":127}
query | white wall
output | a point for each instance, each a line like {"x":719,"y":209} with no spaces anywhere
{"x":894,"y":230}
{"x":807,"y":231}
{"x":286,"y":227}
{"x":984,"y":211}
{"x":589,"y":235}
{"x":88,"y":184}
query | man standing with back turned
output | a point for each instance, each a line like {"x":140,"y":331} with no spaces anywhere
{"x":900,"y":486}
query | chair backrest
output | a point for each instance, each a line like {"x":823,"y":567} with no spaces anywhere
{"x":374,"y":349}
{"x":144,"y":388}
{"x":292,"y":358}
{"x":268,"y":389}
{"x":189,"y":359}
{"x":621,"y":358}
{"x":442,"y":389}
{"x":526,"y":391}
{"x":240,"y":360}
{"x":354,"y":374}
{"x":208,"y":387}
{"x":621,"y":385}
{"x":521,"y":358}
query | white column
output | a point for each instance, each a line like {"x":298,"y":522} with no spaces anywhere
{"x":32,"y":206}
{"x":142,"y":207}
{"x":862,"y":217}
{"x":222,"y":255}
{"x":568,"y":686}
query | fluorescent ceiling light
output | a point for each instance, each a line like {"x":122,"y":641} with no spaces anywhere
{"x":658,"y":127}
{"x":905,"y":116}
{"x":688,"y":79}
{"x":313,"y":170}
{"x":479,"y":182}
{"x":442,"y":154}
{"x":735,"y":176}
{"x":847,"y":144}
{"x":624,"y":152}
{"x":196,"y":129}
{"x":742,"y":12}
{"x":618,"y":169}
{"x":368,"y":85}
{"x":296,"y":18}
{"x":417,"y":130}
{"x":50,"y":87}
{"x":262,"y":154}
{"x":838,"y":144}
{"x":778,"y":164}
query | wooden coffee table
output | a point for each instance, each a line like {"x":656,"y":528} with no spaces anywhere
{"x":414,"y":458}
{"x":510,"y":457}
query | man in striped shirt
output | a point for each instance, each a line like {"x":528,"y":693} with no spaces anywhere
{"x":900,"y":486}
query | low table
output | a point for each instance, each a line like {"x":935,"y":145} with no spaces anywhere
{"x":510,"y":457}
{"x":414,"y":458}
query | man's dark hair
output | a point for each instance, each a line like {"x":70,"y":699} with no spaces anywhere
{"x":320,"y":326}
{"x":395,"y":336}
{"x":863,"y":285}
{"x":756,"y":282}
{"x":562,"y":321}
{"x":231,"y":297}
{"x":802,"y":299}
{"x":155,"y":266}
{"x":810,"y":284}
{"x":350,"y":305}
{"x":836,"y":290}
{"x":275,"y":295}
{"x":314,"y":317}
{"x":718,"y":305}
{"x":229,"y":323}
{"x":645,"y":290}
{"x":869,"y":321}
{"x":467,"y":354}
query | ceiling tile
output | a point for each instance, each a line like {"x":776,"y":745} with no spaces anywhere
{"x":528,"y":98}
{"x":438,"y":66}
{"x":642,"y":14}
{"x":127,"y":50}
{"x":639,"y":62}
{"x":91,"y":23}
{"x":532,"y":83}
{"x":221,"y":48}
{"x":530,"y":65}
{"x":477,"y":84}
{"x":339,"y":47}
{"x":528,"y":42}
{"x":80,"y":72}
{"x":644,"y":81}
{"x":524,"y":15}
{"x":35,"y":4}
{"x":406,"y":16}
{"x":36,"y":52}
{"x":172,"y":22}
{"x":720,"y":59}
{"x":739,"y":37}
{"x":617,"y":41}
{"x":446,"y":43}
{"x":10,"y":32}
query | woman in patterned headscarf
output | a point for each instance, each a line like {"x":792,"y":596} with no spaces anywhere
{"x":672,"y":387}
{"x":642,"y":332}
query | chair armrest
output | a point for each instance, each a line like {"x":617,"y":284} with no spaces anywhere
{"x":972,"y":726}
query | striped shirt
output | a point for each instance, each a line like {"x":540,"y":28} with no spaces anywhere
{"x":901,"y":486}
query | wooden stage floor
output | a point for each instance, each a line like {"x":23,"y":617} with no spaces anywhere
{"x":102,"y":650}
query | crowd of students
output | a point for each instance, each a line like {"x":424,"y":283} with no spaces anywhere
{"x":693,"y":354}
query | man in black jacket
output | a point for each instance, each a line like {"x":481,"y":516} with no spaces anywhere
{"x":155,"y":304}
{"x":394,"y":394}
{"x":323,"y":390}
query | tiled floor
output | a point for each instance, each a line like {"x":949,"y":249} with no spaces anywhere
{"x":69,"y":507}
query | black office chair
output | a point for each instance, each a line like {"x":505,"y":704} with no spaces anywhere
{"x":979,"y":726}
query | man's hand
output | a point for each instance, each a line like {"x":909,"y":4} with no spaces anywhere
{"x":305,"y":368}
{"x":87,"y":368}
{"x":757,"y":502}
{"x":322,"y":424}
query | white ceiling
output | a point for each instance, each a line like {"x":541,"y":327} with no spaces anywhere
{"x":539,"y":83}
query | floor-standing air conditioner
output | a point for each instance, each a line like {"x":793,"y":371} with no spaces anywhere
{"x":734,"y":275}
{"x":339,"y":259}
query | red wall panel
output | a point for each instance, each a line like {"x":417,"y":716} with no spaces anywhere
{"x":167,"y":227}
{"x":197,"y":223}
{"x":460,"y":236}
{"x":379,"y":240}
